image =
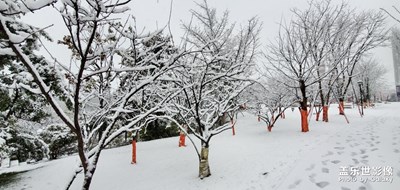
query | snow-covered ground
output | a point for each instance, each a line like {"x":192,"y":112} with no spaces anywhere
{"x":253,"y":159}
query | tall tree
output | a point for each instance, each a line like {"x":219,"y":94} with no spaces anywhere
{"x":367,"y":31}
{"x":99,"y":56}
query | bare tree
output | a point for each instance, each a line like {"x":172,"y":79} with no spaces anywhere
{"x":212,"y":76}
{"x":321,"y":45}
{"x":367,"y":32}
{"x":290,"y":56}
{"x":371,"y":73}
{"x":269,"y":101}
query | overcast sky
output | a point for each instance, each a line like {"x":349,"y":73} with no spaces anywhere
{"x":153,"y":14}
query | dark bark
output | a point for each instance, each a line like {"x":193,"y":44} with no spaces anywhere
{"x":303,"y":107}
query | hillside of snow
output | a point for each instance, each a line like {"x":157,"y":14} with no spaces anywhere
{"x":252,"y":159}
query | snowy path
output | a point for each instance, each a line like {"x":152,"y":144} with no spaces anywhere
{"x":373,"y":145}
{"x":253,"y":159}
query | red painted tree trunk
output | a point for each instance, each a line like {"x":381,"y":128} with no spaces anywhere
{"x":304,"y":120}
{"x":317,"y":116}
{"x":341,"y":107}
{"x":269,"y":128}
{"x":325,"y":113}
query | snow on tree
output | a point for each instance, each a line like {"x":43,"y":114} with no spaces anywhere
{"x":60,"y":140}
{"x":321,"y":45}
{"x":269,"y":99}
{"x":212,"y":75}
{"x":290,"y":56}
{"x":371,"y":73}
{"x":365,"y":32}
{"x":20,"y":108}
{"x":98,"y":109}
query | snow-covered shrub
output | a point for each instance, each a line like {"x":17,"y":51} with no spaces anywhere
{"x":60,"y":140}
{"x":158,"y":129}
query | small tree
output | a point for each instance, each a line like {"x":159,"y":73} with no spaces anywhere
{"x":371,"y":73}
{"x":212,"y":75}
{"x":269,"y":100}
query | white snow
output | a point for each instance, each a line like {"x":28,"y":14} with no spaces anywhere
{"x":253,"y":159}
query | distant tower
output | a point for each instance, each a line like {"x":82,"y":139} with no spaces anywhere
{"x":396,"y":59}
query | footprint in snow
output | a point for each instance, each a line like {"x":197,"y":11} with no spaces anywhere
{"x":296,"y":183}
{"x":312,"y":177}
{"x":365,"y":156}
{"x":398,"y":174}
{"x":328,"y":154}
{"x":362,"y":188}
{"x":339,"y":148}
{"x":322,"y":184}
{"x":371,"y":145}
{"x":312,"y":166}
{"x":336,"y":161}
{"x":362,"y":151}
{"x":345,"y":188}
{"x":356,"y":161}
{"x":396,"y":151}
{"x":353,"y":153}
{"x":374,"y":149}
{"x":325,"y":170}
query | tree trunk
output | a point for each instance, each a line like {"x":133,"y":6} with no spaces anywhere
{"x":325,"y":113}
{"x":303,"y":107}
{"x":341,"y":106}
{"x":233,"y":127}
{"x":87,"y":181}
{"x":317,"y":116}
{"x":272,"y":118}
{"x":269,"y":128}
{"x":304,"y":120}
{"x":204,"y":169}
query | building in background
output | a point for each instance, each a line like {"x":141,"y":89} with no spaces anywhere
{"x":396,"y":59}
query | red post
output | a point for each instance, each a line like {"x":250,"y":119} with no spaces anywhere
{"x":133,"y":151}
{"x":182,"y":139}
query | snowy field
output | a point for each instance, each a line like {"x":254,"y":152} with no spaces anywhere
{"x":253,"y":159}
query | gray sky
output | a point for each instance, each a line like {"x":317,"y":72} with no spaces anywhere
{"x":153,"y":14}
